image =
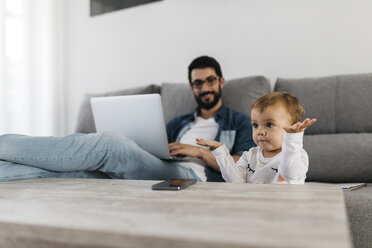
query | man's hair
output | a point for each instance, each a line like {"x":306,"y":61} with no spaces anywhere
{"x":205,"y":62}
{"x":285,"y":99}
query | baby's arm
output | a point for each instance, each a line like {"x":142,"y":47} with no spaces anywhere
{"x":294,"y":161}
{"x":229,"y":170}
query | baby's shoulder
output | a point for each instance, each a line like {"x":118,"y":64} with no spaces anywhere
{"x":251,"y":153}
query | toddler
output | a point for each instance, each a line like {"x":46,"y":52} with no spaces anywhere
{"x":278,"y":133}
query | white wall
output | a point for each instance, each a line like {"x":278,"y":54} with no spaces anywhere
{"x":154,"y":43}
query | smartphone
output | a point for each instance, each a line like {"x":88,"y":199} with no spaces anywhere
{"x":173,"y":184}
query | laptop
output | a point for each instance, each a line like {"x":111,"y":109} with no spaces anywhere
{"x":139,"y":117}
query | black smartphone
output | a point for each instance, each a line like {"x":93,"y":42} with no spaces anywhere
{"x":173,"y":184}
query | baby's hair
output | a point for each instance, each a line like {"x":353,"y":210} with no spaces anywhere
{"x":285,"y":99}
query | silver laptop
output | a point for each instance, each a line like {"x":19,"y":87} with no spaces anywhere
{"x":139,"y":117}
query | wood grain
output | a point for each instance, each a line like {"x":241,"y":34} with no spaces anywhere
{"x":127,"y":213}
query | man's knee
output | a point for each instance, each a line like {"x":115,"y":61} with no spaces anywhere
{"x":116,"y":140}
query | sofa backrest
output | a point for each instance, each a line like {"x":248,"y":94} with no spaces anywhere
{"x":237,"y":94}
{"x":178,"y":99}
{"x":342,"y":104}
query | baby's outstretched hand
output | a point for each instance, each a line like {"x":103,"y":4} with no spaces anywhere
{"x":300,"y":126}
{"x":210,"y":143}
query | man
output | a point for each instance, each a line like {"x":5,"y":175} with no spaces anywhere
{"x":83,"y":155}
{"x":211,"y":120}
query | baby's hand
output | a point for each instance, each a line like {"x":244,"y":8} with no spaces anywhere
{"x":300,"y":126}
{"x":210,"y":143}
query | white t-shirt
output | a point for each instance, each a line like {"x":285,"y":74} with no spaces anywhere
{"x":291,"y":163}
{"x":203,"y":128}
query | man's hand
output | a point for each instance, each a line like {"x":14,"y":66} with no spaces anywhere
{"x":177,"y":149}
{"x":210,"y":143}
{"x":183,"y":150}
{"x":300,"y":126}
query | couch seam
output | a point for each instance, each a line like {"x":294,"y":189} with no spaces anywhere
{"x":337,"y":96}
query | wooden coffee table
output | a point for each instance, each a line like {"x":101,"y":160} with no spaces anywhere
{"x":125,"y":213}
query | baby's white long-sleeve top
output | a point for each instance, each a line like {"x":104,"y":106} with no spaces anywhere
{"x":291,"y":163}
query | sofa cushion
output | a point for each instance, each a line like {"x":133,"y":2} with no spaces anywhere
{"x":85,"y":118}
{"x":359,"y":212}
{"x":177,"y":99}
{"x":340,"y":103}
{"x":339,"y":158}
{"x":237,"y":94}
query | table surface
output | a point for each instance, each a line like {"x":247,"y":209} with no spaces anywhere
{"x":127,"y":213}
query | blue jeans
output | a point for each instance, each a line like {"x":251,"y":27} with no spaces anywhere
{"x":97,"y":155}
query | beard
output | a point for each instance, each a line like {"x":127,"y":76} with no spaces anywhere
{"x":210,"y":104}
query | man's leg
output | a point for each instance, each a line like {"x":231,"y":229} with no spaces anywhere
{"x":109,"y":152}
{"x":10,"y":171}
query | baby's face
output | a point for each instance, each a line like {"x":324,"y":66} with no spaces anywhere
{"x":268,"y":130}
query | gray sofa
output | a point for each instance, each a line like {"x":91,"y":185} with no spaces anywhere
{"x":339,"y":144}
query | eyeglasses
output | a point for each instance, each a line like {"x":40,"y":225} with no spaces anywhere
{"x":209,"y":81}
